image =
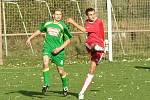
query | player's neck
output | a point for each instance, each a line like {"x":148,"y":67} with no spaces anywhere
{"x":92,"y":21}
{"x":55,"y":21}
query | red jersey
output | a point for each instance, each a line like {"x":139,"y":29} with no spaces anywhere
{"x":95,"y":32}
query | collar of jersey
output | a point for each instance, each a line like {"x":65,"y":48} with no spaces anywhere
{"x":94,"y":20}
{"x":51,"y":22}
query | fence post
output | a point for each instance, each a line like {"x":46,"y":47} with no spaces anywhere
{"x":1,"y":60}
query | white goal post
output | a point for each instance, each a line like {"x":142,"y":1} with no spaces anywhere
{"x":109,"y":29}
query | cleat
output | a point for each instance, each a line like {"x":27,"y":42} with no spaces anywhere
{"x":81,"y":96}
{"x":65,"y":91}
{"x":44,"y":89}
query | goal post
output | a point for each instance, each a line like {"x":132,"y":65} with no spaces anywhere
{"x":109,"y":15}
{"x":1,"y":60}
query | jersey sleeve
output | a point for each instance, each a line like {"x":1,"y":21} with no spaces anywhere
{"x":42,"y":27}
{"x":67,"y":33}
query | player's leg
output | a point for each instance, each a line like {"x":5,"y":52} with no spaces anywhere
{"x":94,"y":61}
{"x":88,"y":80}
{"x":64,"y":79}
{"x":45,"y":73}
{"x":59,"y":61}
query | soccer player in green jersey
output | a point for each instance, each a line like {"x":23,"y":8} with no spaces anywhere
{"x":56,"y":39}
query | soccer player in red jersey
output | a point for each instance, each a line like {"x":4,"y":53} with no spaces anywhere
{"x":94,"y":43}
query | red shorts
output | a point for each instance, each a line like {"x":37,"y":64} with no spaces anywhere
{"x":95,"y":56}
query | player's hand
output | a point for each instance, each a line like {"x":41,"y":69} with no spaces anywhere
{"x":56,"y":50}
{"x":70,"y":20}
{"x":28,"y":42}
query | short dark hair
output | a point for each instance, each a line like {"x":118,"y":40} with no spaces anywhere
{"x":88,"y":10}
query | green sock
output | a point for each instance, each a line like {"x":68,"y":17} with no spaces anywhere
{"x":46,"y":76}
{"x":64,"y":82}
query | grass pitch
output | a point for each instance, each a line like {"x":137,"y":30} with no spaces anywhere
{"x":21,"y":79}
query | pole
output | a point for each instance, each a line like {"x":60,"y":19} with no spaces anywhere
{"x":80,"y":13}
{"x":1,"y":60}
{"x":109,"y":29}
{"x":42,"y":1}
{"x":4,"y":22}
{"x":96,"y":6}
{"x":23,"y":23}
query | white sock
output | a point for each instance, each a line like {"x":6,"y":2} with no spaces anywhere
{"x":87,"y":82}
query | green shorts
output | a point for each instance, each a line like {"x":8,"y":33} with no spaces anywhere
{"x":57,"y":59}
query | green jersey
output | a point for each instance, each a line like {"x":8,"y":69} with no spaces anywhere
{"x":56,"y":34}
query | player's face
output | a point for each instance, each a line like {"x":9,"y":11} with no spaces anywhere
{"x":91,"y":15}
{"x":57,"y":16}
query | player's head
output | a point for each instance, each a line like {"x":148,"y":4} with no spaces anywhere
{"x":90,"y":13}
{"x":57,"y":14}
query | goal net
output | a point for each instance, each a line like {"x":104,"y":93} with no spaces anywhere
{"x":130,"y":26}
{"x":131,"y":29}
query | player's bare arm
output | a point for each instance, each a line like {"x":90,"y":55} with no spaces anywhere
{"x":36,"y":33}
{"x":70,"y":20}
{"x":56,"y":50}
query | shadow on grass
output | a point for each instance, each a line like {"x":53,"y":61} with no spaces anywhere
{"x":141,"y":67}
{"x":95,"y":90}
{"x":29,"y":93}
{"x":40,"y":94}
{"x":60,"y":92}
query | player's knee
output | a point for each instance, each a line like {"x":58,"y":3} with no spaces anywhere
{"x":92,"y":69}
{"x":45,"y":64}
{"x":61,"y":71}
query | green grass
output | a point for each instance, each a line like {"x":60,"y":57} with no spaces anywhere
{"x":21,"y":79}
